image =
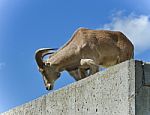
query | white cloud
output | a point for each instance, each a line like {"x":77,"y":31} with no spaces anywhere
{"x":136,"y":28}
{"x":2,"y":65}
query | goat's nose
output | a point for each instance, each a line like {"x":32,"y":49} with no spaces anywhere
{"x":49,"y":87}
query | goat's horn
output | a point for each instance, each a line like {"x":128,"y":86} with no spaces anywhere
{"x":40,"y":53}
{"x":48,"y":54}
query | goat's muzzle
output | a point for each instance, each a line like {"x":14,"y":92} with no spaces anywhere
{"x":49,"y":87}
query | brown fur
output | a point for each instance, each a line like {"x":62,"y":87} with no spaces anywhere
{"x":105,"y":47}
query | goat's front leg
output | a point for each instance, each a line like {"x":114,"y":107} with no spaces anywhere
{"x":82,"y":71}
{"x":78,"y":74}
{"x":89,"y":63}
{"x":75,"y":74}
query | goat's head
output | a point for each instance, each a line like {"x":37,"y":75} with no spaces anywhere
{"x":47,"y":70}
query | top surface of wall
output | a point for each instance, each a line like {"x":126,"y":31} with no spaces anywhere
{"x":110,"y":92}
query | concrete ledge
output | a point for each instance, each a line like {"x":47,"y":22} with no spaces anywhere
{"x":119,"y":90}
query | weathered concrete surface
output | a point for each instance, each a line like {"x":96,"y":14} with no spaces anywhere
{"x":142,"y":88}
{"x":119,"y":90}
{"x":147,"y":74}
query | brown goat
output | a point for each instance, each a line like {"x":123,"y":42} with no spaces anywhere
{"x":83,"y":54}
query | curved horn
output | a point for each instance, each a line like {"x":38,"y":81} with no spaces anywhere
{"x":40,"y":53}
{"x":49,"y":53}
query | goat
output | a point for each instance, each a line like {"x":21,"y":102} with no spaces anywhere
{"x":83,"y":54}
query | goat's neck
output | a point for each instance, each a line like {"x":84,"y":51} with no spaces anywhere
{"x":64,"y":59}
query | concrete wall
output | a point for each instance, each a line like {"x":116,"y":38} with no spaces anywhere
{"x":119,"y":90}
{"x":142,"y":88}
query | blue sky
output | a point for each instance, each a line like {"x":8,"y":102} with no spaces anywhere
{"x":27,"y":25}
